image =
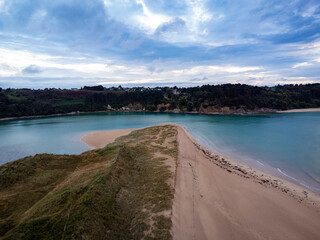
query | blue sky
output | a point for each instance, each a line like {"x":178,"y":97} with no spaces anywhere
{"x":72,"y":43}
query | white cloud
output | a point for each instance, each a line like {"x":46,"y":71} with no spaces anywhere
{"x":296,"y":80}
{"x":137,"y":14}
{"x":1,"y":5}
{"x":79,"y":71}
{"x":310,"y":45}
{"x":303,"y":64}
{"x":149,"y":20}
{"x":197,"y":15}
{"x":310,"y":11}
{"x":195,"y":18}
{"x":14,"y":62}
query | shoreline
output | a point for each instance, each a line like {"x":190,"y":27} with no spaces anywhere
{"x":262,"y":166}
{"x":99,"y":139}
{"x":302,"y":110}
{"x":243,"y":169}
{"x":219,"y":198}
{"x":215,"y":197}
{"x":236,"y":113}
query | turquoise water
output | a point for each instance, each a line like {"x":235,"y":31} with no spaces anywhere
{"x":287,"y":145}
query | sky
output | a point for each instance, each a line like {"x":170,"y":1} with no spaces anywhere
{"x":72,"y":43}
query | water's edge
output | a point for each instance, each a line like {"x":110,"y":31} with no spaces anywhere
{"x":62,"y":135}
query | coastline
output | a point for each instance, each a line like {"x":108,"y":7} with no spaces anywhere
{"x":243,"y":169}
{"x":260,"y":165}
{"x":100,"y":139}
{"x":300,"y":110}
{"x":134,"y":111}
{"x":217,"y":197}
{"x":231,"y":112}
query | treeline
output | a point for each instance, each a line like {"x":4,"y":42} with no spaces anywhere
{"x":226,"y":98}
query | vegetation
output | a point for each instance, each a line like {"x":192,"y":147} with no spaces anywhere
{"x":122,"y":191}
{"x":226,"y":98}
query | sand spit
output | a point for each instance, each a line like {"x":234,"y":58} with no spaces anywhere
{"x":300,"y":110}
{"x":101,"y":138}
{"x":218,"y":198}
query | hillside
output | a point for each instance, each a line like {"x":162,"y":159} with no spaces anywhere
{"x":226,"y":98}
{"x":122,"y":191}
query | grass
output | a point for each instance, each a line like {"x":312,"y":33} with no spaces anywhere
{"x":118,"y":192}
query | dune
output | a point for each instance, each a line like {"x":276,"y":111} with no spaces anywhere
{"x":121,"y":191}
{"x":218,"y":198}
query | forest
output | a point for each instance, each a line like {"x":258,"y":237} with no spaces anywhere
{"x":224,"y":98}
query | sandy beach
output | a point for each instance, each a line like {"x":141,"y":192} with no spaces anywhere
{"x":300,"y":110}
{"x":102,"y":138}
{"x":218,"y":198}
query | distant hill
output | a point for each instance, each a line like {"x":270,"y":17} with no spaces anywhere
{"x":122,"y":191}
{"x":226,"y":98}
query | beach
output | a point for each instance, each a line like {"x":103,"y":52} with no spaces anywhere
{"x":100,"y":139}
{"x":300,"y":110}
{"x":218,"y":198}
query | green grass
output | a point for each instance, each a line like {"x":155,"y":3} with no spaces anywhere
{"x":118,"y":192}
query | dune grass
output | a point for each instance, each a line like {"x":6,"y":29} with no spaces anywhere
{"x":122,"y":191}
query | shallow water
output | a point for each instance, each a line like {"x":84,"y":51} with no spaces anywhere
{"x":288,"y":145}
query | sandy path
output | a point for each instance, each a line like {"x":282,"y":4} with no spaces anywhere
{"x":101,"y":138}
{"x":212,"y":203}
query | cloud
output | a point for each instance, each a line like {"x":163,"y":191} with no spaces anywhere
{"x":173,"y":31}
{"x":150,"y":20}
{"x":32,"y":69}
{"x":110,"y":72}
{"x":156,"y":42}
{"x":302,"y":64}
{"x":199,"y":80}
{"x":173,"y":26}
{"x":2,"y":9}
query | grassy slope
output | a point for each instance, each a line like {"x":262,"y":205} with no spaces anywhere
{"x":123,"y":191}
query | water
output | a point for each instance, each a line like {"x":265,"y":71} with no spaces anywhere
{"x":287,"y":145}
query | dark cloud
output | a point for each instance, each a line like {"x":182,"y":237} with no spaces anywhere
{"x":32,"y":69}
{"x":198,"y":79}
{"x":176,"y":25}
{"x":79,"y":24}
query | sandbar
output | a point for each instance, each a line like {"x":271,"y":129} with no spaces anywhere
{"x":300,"y":110}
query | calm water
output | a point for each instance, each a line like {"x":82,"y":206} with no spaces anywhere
{"x":287,"y":145}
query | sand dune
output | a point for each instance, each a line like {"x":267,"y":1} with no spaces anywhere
{"x":217,"y":198}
